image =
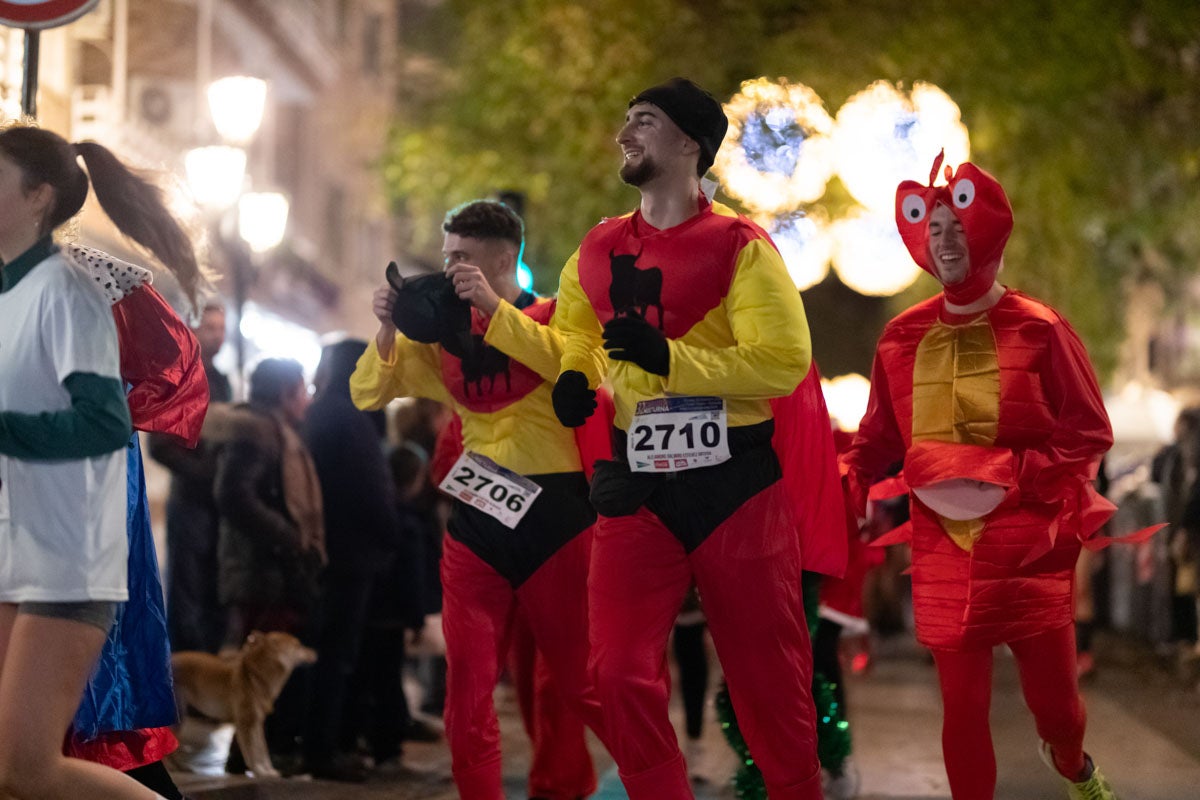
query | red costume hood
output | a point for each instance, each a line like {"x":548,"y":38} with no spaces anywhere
{"x":979,"y":203}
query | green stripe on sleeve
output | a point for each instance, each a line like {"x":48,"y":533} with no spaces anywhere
{"x":96,"y":423}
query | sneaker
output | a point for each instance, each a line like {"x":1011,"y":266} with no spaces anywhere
{"x":1095,"y":787}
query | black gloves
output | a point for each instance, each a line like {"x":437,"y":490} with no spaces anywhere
{"x":618,"y":492}
{"x":573,"y":401}
{"x":634,"y":339}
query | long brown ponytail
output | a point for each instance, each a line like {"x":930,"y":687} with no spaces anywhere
{"x":133,"y":203}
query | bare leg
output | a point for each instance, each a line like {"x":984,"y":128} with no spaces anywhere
{"x":45,"y":665}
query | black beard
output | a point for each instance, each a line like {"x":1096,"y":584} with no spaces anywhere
{"x":644,"y":172}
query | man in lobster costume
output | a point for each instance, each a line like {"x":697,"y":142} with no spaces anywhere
{"x":988,"y":398}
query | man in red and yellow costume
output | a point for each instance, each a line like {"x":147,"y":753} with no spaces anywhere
{"x":703,"y":328}
{"x":482,"y":346}
{"x":988,"y":398}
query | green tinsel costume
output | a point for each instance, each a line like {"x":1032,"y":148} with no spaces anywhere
{"x":833,"y":731}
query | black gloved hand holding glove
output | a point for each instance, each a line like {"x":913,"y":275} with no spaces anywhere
{"x":573,"y":401}
{"x":633,"y":339}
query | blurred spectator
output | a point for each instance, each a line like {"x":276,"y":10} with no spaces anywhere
{"x":1174,"y":468}
{"x":195,"y":618}
{"x":360,"y":532}
{"x":272,"y":539}
{"x":446,"y":428}
{"x":383,"y":717}
{"x":211,"y":335}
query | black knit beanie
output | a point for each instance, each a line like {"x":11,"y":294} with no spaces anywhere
{"x":694,"y":110}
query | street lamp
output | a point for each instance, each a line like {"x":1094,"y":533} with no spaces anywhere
{"x":217,"y":177}
{"x":262,"y":219}
{"x":236,"y":104}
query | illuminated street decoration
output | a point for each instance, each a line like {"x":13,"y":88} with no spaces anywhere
{"x":782,"y":148}
{"x":846,"y":396}
{"x":804,"y":241}
{"x":869,"y":255}
{"x":777,"y":153}
{"x":885,"y":135}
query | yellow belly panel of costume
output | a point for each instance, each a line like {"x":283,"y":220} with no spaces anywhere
{"x":956,"y":397}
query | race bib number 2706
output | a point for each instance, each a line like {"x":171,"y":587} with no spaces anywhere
{"x":483,"y":484}
{"x":671,"y":434}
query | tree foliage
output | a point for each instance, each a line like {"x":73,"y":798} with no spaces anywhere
{"x":1088,"y":111}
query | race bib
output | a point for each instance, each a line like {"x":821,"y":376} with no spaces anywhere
{"x":483,"y":484}
{"x":671,"y":434}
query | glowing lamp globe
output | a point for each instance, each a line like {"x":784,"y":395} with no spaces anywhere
{"x":804,"y":242}
{"x":215,"y":175}
{"x":870,"y":257}
{"x":847,"y":396}
{"x":237,"y":104}
{"x":885,"y":135}
{"x":262,"y":219}
{"x":777,"y":153}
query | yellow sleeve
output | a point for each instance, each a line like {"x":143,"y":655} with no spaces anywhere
{"x":575,"y":319}
{"x":412,"y":371}
{"x":772,"y":350}
{"x":519,"y":337}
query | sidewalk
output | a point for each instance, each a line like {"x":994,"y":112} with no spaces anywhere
{"x":1144,"y":730}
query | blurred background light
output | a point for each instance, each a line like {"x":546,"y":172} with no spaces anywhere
{"x":524,"y":276}
{"x":777,"y":153}
{"x":269,"y":335}
{"x":215,"y":174}
{"x":262,"y":219}
{"x":846,"y":396}
{"x":805,"y":243}
{"x":885,"y":135}
{"x":236,"y":104}
{"x":869,"y":255}
{"x":1141,"y":413}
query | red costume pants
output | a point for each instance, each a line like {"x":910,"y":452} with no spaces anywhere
{"x":1046,"y":664}
{"x":478,"y":609}
{"x":561,"y":767}
{"x":748,"y":574}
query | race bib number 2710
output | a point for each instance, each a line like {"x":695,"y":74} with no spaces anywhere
{"x":671,"y":434}
{"x":483,"y":484}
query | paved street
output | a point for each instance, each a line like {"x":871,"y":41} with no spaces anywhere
{"x":1144,"y":731}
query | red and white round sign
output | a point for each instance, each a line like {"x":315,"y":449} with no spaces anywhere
{"x":37,"y":14}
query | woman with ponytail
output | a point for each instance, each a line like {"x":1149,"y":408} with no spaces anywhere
{"x":64,"y":427}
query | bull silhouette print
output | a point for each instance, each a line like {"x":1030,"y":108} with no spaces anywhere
{"x":634,"y":291}
{"x":480,"y":362}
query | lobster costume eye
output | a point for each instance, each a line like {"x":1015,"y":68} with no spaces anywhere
{"x":963,"y":193}
{"x":913,"y":208}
